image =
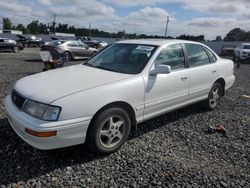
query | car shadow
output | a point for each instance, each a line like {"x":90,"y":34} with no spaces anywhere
{"x":21,"y":162}
{"x":33,"y":60}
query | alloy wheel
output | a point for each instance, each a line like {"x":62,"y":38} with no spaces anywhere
{"x":112,"y":131}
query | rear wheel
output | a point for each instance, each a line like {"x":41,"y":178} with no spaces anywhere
{"x":214,"y":96}
{"x":108,"y":131}
{"x":67,"y":56}
{"x":15,"y":49}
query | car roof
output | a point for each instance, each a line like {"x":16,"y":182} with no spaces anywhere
{"x":6,"y":38}
{"x":155,"y":42}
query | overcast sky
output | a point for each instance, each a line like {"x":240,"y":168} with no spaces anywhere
{"x":197,"y":17}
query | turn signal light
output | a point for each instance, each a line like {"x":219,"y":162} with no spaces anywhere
{"x":41,"y":134}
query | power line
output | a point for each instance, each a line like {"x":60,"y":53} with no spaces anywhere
{"x":166,"y":31}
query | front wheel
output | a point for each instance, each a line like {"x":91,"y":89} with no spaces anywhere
{"x":67,"y":56}
{"x":108,"y":131}
{"x":214,"y":96}
{"x":15,"y":49}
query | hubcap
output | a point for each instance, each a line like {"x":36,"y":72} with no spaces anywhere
{"x":214,"y":97}
{"x":67,"y":56}
{"x":16,"y":49}
{"x":112,"y":131}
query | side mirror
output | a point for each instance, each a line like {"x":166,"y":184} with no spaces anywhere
{"x":160,"y":69}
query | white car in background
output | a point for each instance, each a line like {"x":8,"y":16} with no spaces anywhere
{"x":103,"y":44}
{"x":242,"y":52}
{"x":127,"y":83}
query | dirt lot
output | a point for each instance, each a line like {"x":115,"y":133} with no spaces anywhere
{"x":173,"y":150}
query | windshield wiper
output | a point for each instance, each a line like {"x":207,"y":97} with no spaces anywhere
{"x":104,"y":68}
{"x":88,"y":64}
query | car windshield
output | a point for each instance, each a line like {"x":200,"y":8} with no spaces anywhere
{"x":246,"y":47}
{"x":123,"y":58}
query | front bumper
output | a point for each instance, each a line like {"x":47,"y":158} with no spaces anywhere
{"x":69,"y":132}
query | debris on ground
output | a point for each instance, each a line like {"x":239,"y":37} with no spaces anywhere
{"x":246,"y":96}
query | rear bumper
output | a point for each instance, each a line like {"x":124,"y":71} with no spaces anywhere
{"x":229,"y":82}
{"x":69,"y":132}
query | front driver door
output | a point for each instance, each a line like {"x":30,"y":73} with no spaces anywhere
{"x":165,"y":92}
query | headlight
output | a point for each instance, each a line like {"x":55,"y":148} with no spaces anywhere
{"x":41,"y":111}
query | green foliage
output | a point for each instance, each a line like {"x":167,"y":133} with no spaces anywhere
{"x":236,"y":34}
{"x":7,"y":23}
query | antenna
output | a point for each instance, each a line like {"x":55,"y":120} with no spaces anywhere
{"x":166,"y":31}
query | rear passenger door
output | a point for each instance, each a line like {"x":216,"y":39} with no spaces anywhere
{"x":202,"y":70}
{"x":73,"y":47}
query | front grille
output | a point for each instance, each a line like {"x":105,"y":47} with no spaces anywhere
{"x":17,"y":99}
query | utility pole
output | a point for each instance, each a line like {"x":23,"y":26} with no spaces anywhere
{"x":89,"y":29}
{"x":166,"y":31}
{"x":54,"y":23}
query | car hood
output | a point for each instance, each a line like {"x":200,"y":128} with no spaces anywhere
{"x":48,"y":86}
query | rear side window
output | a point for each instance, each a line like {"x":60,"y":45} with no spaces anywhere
{"x":211,"y":55}
{"x":196,"y":55}
{"x":72,"y":44}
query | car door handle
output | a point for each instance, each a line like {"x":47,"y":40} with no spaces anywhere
{"x":214,"y":71}
{"x":184,"y":78}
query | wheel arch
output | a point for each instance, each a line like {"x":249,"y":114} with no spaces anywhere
{"x":223,"y":84}
{"x":121,"y":104}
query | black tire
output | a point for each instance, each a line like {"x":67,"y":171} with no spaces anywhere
{"x":67,"y":56}
{"x":15,"y":49}
{"x":104,"y":137}
{"x":213,"y":97}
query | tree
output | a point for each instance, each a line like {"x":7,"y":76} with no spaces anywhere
{"x":236,"y":34}
{"x":7,"y":23}
{"x":33,"y":27}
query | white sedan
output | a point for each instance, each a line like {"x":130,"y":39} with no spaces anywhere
{"x":127,"y":83}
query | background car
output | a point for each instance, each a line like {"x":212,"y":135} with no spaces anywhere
{"x":242,"y":52}
{"x":103,"y":44}
{"x":90,"y":43}
{"x":71,"y":49}
{"x":227,"y":50}
{"x":33,"y":41}
{"x":10,"y":45}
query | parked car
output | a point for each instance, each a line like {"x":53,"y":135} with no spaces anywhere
{"x":33,"y":41}
{"x":227,"y":50}
{"x":127,"y":83}
{"x":71,"y":49}
{"x":242,"y":52}
{"x":103,"y":44}
{"x":90,"y":43}
{"x":10,"y":45}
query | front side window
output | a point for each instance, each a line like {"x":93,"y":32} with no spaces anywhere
{"x":196,"y":55}
{"x":123,"y":58}
{"x":173,"y":56}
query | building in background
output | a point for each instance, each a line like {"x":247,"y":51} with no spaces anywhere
{"x":16,"y":32}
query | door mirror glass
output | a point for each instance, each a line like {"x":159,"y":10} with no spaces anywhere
{"x":161,"y":69}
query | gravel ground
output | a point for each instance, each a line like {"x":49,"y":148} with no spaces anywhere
{"x":173,"y":150}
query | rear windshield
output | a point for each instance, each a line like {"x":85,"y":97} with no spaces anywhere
{"x":246,"y":47}
{"x":56,"y":42}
